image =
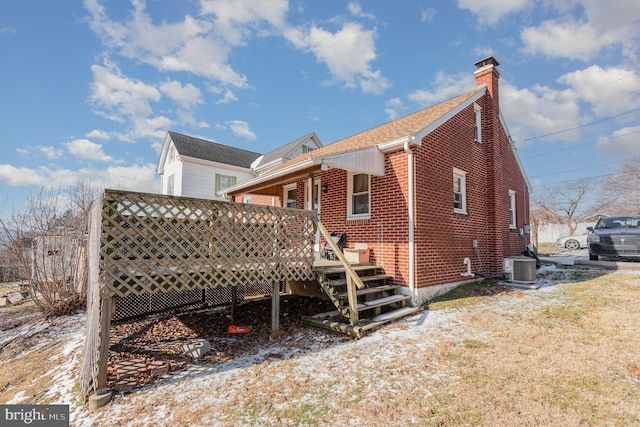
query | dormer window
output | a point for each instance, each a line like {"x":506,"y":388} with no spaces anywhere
{"x":477,"y":123}
{"x":306,"y":149}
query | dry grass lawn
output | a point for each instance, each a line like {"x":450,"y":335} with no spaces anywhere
{"x":567,"y":354}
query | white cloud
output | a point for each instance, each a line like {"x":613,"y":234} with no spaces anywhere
{"x":348,"y":54}
{"x":234,"y":19}
{"x":241,"y":129}
{"x":8,"y":30}
{"x":146,"y":128}
{"x":491,"y":11}
{"x":394,"y":107}
{"x":623,"y":143}
{"x":584,"y":97}
{"x":446,"y":86}
{"x":97,"y":134}
{"x":21,"y":176}
{"x":198,"y":46}
{"x":609,"y":91}
{"x":229,"y":96}
{"x":50,"y":152}
{"x":587,"y":29}
{"x":138,"y":177}
{"x":85,"y":149}
{"x":24,"y":152}
{"x":356,"y":10}
{"x":568,"y":39}
{"x":186,"y":96}
{"x":120,"y":95}
{"x":428,"y":15}
{"x":539,"y":110}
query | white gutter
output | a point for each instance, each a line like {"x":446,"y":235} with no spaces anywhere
{"x":411,"y":211}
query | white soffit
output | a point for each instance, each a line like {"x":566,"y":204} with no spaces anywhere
{"x":369,"y":161}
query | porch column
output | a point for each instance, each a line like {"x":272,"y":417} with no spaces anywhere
{"x":309,"y":192}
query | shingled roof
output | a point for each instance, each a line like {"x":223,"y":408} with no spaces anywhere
{"x":283,"y":150}
{"x":212,"y":151}
{"x":417,"y":124}
{"x":390,"y":131}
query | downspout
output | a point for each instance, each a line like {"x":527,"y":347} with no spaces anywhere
{"x":411,"y":211}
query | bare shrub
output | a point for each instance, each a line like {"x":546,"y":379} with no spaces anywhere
{"x":48,"y":242}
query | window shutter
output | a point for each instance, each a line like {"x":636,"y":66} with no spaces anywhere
{"x":217,"y":182}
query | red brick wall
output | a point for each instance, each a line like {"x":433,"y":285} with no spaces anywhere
{"x":443,"y":238}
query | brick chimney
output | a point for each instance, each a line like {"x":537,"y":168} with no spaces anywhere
{"x":488,"y":74}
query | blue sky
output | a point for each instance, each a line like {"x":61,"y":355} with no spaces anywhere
{"x":90,"y":88}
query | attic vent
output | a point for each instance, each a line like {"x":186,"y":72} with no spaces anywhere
{"x":520,"y":269}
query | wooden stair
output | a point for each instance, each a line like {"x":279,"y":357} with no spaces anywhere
{"x":376,"y":299}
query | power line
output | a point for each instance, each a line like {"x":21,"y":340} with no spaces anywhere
{"x":579,"y":169}
{"x":587,"y":178}
{"x":579,"y":127}
{"x":580,"y":145}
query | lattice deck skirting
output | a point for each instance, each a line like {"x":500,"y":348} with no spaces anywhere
{"x":166,"y":248}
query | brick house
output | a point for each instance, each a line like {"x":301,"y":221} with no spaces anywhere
{"x":391,"y":188}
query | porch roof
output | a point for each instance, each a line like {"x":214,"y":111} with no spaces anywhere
{"x":363,"y":152}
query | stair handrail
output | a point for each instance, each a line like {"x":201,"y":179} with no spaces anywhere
{"x":353,"y":280}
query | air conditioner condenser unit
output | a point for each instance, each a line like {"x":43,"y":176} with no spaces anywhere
{"x":520,"y":269}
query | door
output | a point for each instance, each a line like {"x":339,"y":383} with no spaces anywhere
{"x":312,"y":202}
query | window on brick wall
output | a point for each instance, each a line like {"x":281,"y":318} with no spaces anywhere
{"x":459,"y":191}
{"x":358,"y":196}
{"x":290,"y":193}
{"x":477,"y":124}
{"x":512,"y":209}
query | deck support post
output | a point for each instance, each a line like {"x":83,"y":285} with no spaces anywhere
{"x":234,"y":301}
{"x":106,"y":307}
{"x":275,"y":308}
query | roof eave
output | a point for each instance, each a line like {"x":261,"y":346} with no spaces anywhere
{"x":238,"y":189}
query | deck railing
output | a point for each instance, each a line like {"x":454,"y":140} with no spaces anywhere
{"x":142,"y":244}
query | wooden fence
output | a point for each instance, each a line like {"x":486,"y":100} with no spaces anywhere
{"x":147,"y":244}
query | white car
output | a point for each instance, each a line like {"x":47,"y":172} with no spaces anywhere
{"x":573,"y":242}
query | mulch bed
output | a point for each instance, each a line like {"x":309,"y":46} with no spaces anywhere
{"x":147,"y":350}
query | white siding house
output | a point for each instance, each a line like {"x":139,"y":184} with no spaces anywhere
{"x":195,"y":167}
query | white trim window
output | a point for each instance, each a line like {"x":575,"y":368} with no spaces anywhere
{"x":477,"y":122}
{"x":358,"y":196}
{"x":459,"y":191}
{"x":224,"y":181}
{"x":512,"y":209}
{"x":171,"y":179}
{"x":290,"y":194}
